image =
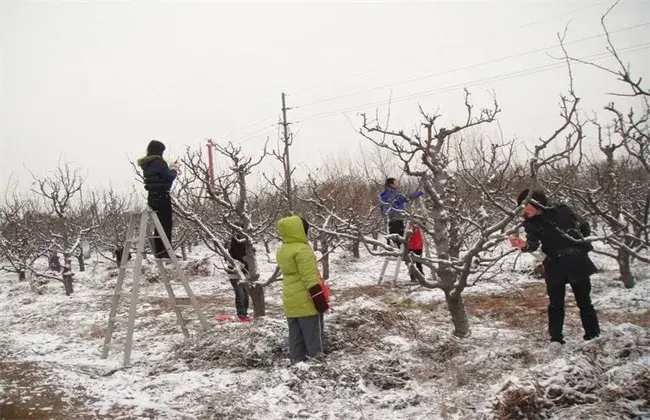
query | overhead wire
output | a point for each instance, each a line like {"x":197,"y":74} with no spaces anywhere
{"x":497,"y":78}
{"x":468,"y":67}
{"x":495,"y":34}
{"x":468,"y":41}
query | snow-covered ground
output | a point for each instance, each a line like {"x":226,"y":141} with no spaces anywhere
{"x":391,"y":352}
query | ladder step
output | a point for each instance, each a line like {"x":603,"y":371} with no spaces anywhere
{"x":135,"y":240}
{"x":119,"y":319}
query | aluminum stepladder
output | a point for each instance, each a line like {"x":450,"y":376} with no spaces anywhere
{"x":139,"y":242}
{"x":396,"y":260}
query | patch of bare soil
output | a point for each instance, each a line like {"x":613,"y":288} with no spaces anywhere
{"x":28,"y":391}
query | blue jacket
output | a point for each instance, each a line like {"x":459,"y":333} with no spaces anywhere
{"x":393,"y":203}
{"x":158,"y":178}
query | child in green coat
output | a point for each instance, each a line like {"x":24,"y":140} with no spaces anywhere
{"x":302,"y":294}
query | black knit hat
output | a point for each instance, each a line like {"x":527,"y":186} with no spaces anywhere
{"x":389,"y":182}
{"x":155,"y":147}
{"x":538,"y":198}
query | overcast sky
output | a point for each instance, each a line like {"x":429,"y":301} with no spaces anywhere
{"x":95,"y":81}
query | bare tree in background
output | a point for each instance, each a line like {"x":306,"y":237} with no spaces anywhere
{"x":341,"y":202}
{"x":63,"y":235}
{"x":20,"y":245}
{"x":110,"y":212}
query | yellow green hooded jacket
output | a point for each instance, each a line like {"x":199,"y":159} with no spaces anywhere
{"x":299,"y":267}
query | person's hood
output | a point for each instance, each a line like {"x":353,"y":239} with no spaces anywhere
{"x":142,"y":162}
{"x":291,"y":229}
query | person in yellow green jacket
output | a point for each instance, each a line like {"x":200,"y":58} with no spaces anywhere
{"x":302,"y":294}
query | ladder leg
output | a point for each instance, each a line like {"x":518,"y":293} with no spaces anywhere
{"x":181,"y":274}
{"x":383,"y":270}
{"x":137,"y":273}
{"x":172,"y":297}
{"x":396,"y":272}
{"x":118,"y":287}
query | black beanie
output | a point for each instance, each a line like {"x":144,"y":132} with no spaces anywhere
{"x":389,"y":182}
{"x":537,"y":196}
{"x":155,"y":147}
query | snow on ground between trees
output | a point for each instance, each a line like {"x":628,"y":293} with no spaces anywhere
{"x":391,"y":353}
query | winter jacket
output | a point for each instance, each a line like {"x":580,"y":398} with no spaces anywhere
{"x":416,"y":243}
{"x":393,"y":203}
{"x":549,"y":229}
{"x":299,"y":268}
{"x":237,"y":250}
{"x":158,"y":178}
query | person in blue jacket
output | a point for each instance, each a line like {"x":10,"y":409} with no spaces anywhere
{"x":392,"y":204}
{"x":158,"y":180}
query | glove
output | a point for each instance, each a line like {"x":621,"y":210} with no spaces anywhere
{"x":318,"y":297}
{"x":175,"y":166}
{"x":517,"y":242}
{"x":418,"y":194}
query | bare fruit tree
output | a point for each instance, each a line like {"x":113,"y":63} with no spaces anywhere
{"x":62,"y":234}
{"x":466,"y":241}
{"x":110,"y":212}
{"x":616,"y":188}
{"x":340,"y":202}
{"x":229,"y":195}
{"x":20,"y":245}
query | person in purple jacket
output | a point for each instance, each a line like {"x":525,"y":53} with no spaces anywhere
{"x":392,"y":204}
{"x":158,"y":180}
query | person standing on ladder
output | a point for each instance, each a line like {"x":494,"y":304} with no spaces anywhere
{"x":392,"y":205}
{"x":158,"y":180}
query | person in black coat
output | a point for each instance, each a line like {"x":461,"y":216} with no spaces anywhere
{"x":237,"y":250}
{"x":158,"y":180}
{"x":560,"y":232}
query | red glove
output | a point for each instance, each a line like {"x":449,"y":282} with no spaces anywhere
{"x":318,"y":297}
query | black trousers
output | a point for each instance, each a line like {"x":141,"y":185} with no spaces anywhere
{"x":556,"y":289}
{"x":395,"y":227}
{"x":161,"y":203}
{"x":241,"y":297}
{"x":417,"y":265}
{"x":241,"y":291}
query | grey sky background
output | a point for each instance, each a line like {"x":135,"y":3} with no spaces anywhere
{"x":95,"y":81}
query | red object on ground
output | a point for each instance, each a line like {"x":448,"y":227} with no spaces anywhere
{"x":416,"y":243}
{"x":230,"y":318}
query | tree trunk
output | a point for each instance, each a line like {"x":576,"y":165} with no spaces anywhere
{"x":326,"y":259}
{"x":267,"y":247}
{"x":189,"y":247}
{"x":624,"y":268}
{"x":458,"y":314}
{"x":80,"y":261}
{"x":22,"y":275}
{"x":256,"y":293}
{"x":183,"y":252}
{"x":67,"y":283}
{"x":356,"y":253}
{"x":315,"y":247}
